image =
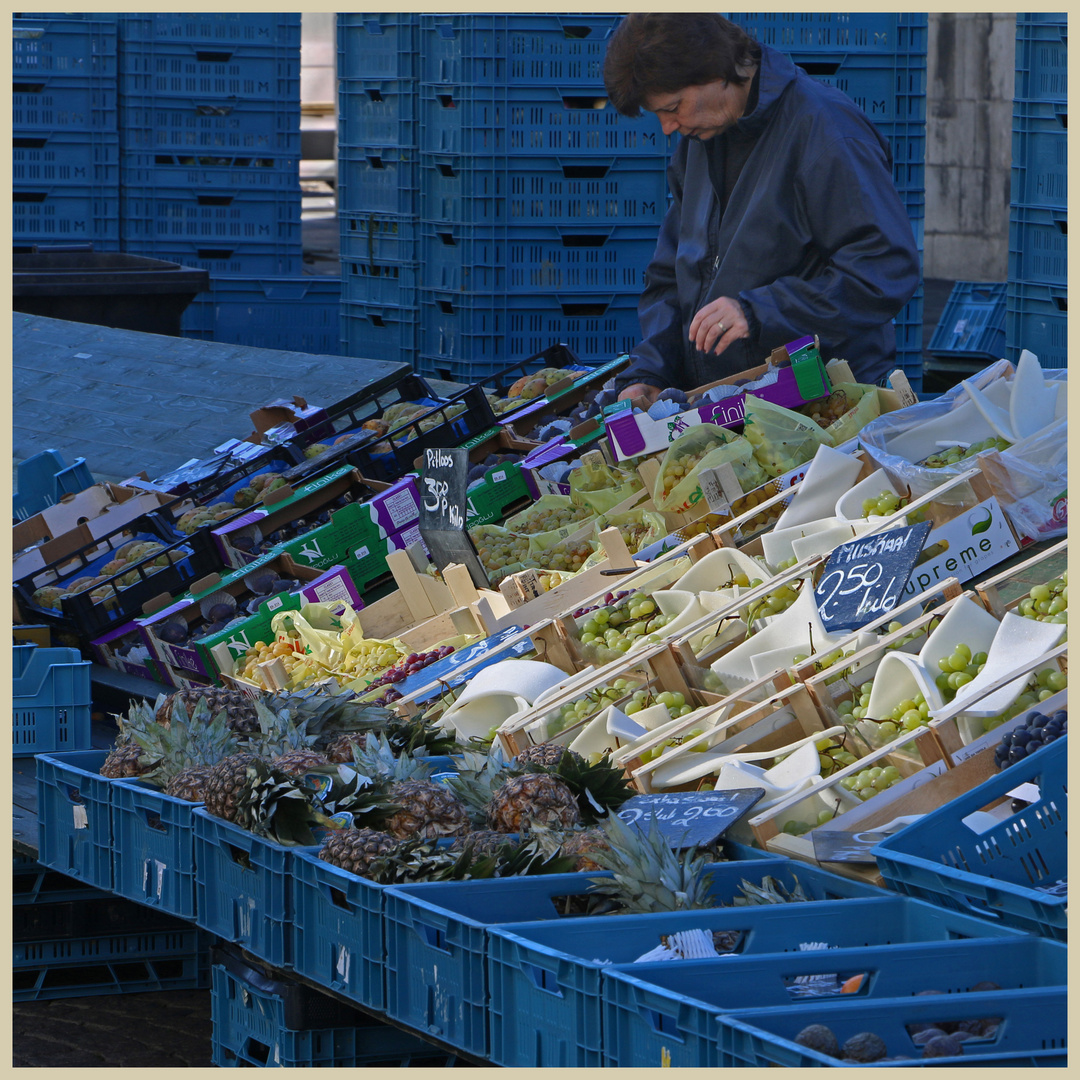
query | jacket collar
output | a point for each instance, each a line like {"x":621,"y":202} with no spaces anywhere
{"x":775,"y":74}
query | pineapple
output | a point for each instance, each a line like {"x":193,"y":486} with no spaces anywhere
{"x":583,"y":846}
{"x":187,"y":749}
{"x":482,"y":842}
{"x":225,"y":783}
{"x":648,"y":875}
{"x":128,"y":758}
{"x":545,"y":754}
{"x":287,"y":745}
{"x":479,"y":777}
{"x":340,"y":749}
{"x":599,"y":787}
{"x":239,"y":708}
{"x":355,"y":849}
{"x":426,"y":810}
{"x":532,"y":799}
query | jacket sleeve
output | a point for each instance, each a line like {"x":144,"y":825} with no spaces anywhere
{"x":656,"y":359}
{"x":867,"y":261}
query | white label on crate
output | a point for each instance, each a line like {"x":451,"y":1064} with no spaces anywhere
{"x":401,"y":507}
{"x":145,"y":874}
{"x":342,"y":966}
{"x":83,"y":356}
{"x":78,"y":816}
{"x":721,"y":487}
{"x":273,"y":605}
{"x":361,"y":553}
{"x":160,"y":867}
{"x":334,"y":589}
{"x":498,"y":477}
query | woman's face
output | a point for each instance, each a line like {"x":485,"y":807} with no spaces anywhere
{"x":700,"y":112}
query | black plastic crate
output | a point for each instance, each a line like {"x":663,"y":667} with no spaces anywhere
{"x":104,"y":914}
{"x":89,"y":617}
{"x":406,"y":443}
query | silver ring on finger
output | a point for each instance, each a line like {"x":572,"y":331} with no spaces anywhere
{"x":720,"y":327}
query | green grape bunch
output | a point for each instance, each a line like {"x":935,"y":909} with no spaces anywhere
{"x":952,"y":455}
{"x":1048,"y":602}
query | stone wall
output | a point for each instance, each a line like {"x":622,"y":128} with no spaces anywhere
{"x":969,"y":90}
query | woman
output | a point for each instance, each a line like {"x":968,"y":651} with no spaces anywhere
{"x":784,"y":219}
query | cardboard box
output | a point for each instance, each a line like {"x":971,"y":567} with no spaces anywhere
{"x":76,"y":520}
{"x":632,"y":434}
{"x":104,"y":650}
{"x":283,"y":420}
{"x":196,"y":658}
{"x":561,"y":448}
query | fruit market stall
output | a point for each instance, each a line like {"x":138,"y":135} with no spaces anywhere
{"x":812,"y":632}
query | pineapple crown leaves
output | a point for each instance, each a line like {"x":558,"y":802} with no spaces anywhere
{"x":412,"y":735}
{"x":201,"y":740}
{"x":279,"y":732}
{"x":770,"y":891}
{"x":327,"y":711}
{"x":337,"y":788}
{"x":377,"y":760}
{"x":647,"y":875}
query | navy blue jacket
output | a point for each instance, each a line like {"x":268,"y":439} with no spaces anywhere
{"x":815,"y":240}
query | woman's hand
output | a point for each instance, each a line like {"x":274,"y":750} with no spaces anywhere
{"x":641,"y":390}
{"x":718,"y":324}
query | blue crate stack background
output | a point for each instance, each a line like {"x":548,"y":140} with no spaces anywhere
{"x":491,"y":200}
{"x":879,"y":61}
{"x":1037,"y":293}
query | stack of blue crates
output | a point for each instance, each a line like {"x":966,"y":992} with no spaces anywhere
{"x":210,"y":140}
{"x":1036,"y":297}
{"x":65,"y":145}
{"x":879,"y":61}
{"x":492,"y":201}
{"x":378,"y":184}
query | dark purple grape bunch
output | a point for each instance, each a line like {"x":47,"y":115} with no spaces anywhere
{"x":1037,"y":730}
{"x":410,"y":665}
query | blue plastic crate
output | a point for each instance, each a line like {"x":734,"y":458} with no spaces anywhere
{"x":973,"y":322}
{"x":67,"y":45}
{"x":1032,"y":1032}
{"x":49,"y":213}
{"x":534,"y":260}
{"x":377,"y":112}
{"x":485,"y":329}
{"x":85,"y":159}
{"x":493,"y":50}
{"x":190,"y":125}
{"x":273,"y":1022}
{"x":881,"y":34}
{"x":379,"y":331}
{"x":154,"y":848}
{"x":377,"y":45}
{"x":994,"y":873}
{"x":243,"y":888}
{"x":553,"y":972}
{"x":378,"y":179}
{"x":238,"y":29}
{"x":225,"y":173}
{"x":498,"y":190}
{"x":533,"y":121}
{"x":248,"y":218}
{"x":672,"y":1008}
{"x":338,"y":930}
{"x":247,"y":259}
{"x":50,"y":706}
{"x":1042,"y":57}
{"x":1038,"y":245}
{"x":64,"y":103}
{"x":379,"y":238}
{"x":1040,"y":154}
{"x":110,"y":964}
{"x":43,"y":479}
{"x":436,"y":941}
{"x":1036,"y":318}
{"x":74,"y":821}
{"x":889,"y":89}
{"x":297,"y":314}
{"x":101,"y":915}
{"x":367,"y":282}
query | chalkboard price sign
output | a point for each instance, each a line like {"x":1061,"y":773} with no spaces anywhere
{"x":864,"y":578}
{"x":690,"y":818}
{"x":443,"y":503}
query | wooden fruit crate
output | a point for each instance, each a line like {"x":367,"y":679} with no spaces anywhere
{"x":990,"y":590}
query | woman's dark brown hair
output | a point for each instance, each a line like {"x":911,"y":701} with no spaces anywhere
{"x":661,"y":54}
